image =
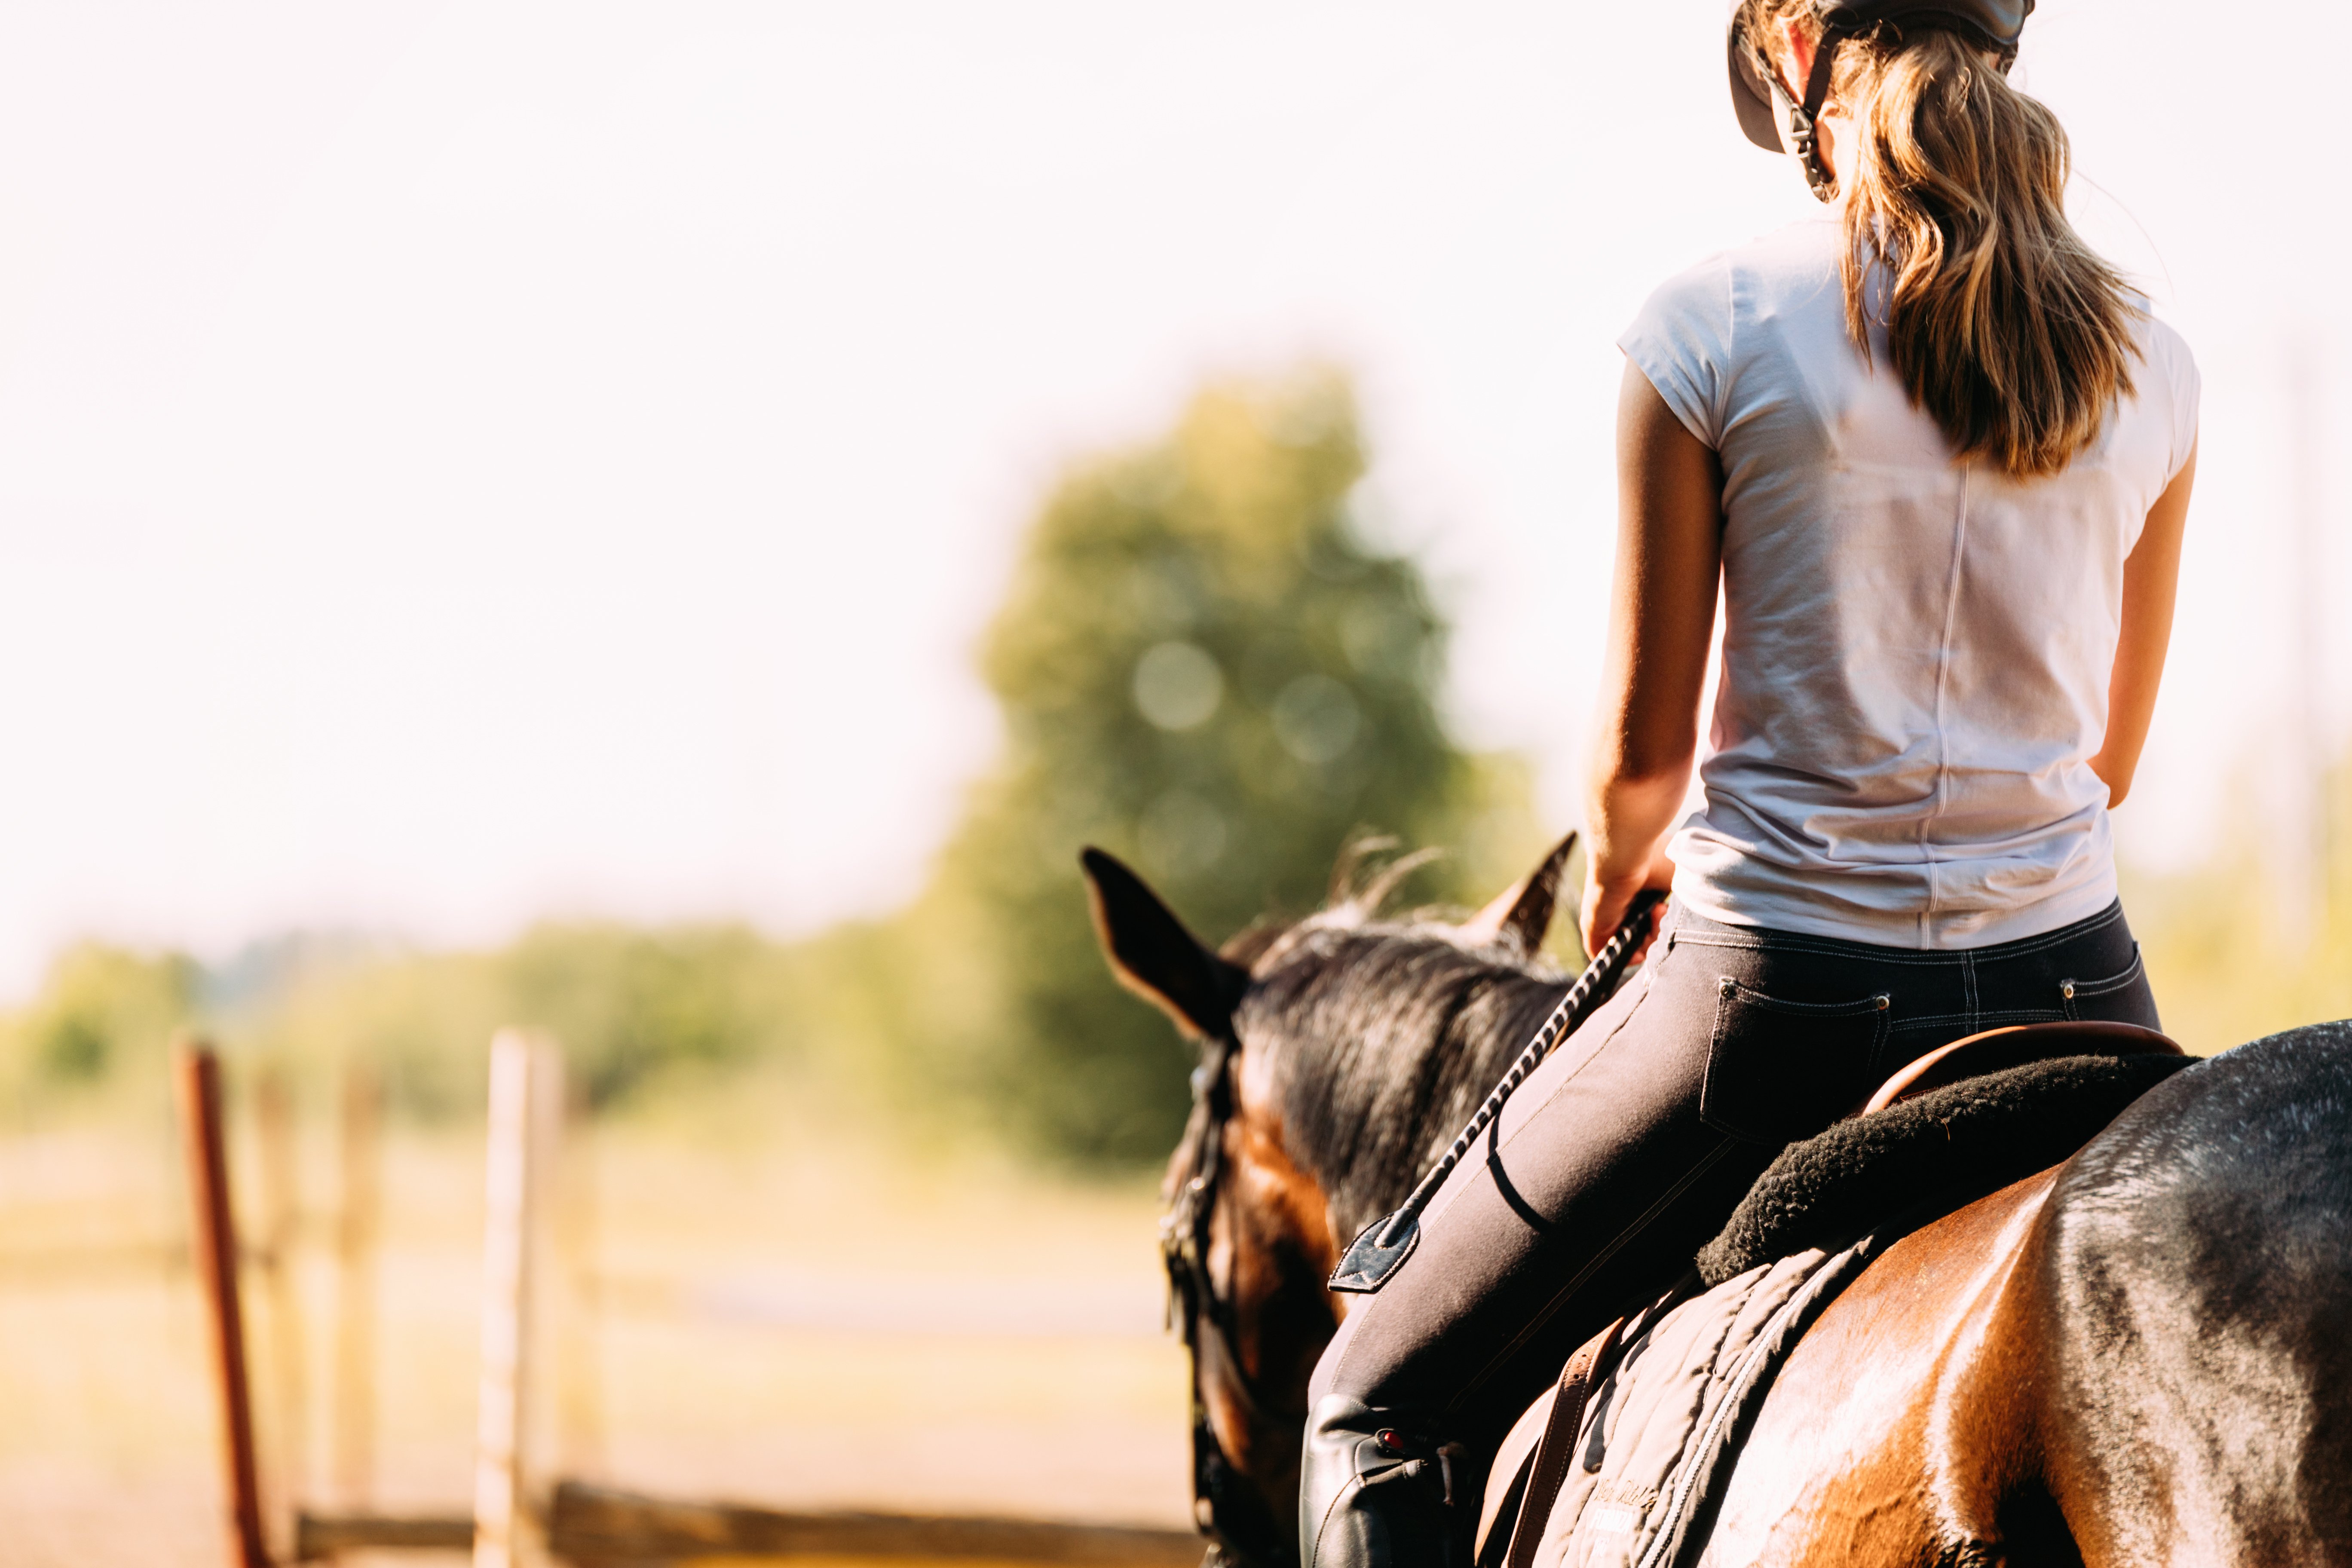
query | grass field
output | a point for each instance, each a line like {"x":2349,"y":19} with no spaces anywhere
{"x":782,"y":1317}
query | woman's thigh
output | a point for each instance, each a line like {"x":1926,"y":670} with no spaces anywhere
{"x":1615,"y":1162}
{"x":1589,"y":1187}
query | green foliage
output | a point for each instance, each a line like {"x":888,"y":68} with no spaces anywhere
{"x":631,"y":1006}
{"x":1204,"y":669}
{"x":629,"y":1003}
{"x":101,"y":1009}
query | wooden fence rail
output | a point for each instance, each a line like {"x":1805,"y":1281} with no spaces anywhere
{"x":596,"y":1527}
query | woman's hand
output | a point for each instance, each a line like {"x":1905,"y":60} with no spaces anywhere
{"x":1607,"y":899}
{"x":1661,"y":621}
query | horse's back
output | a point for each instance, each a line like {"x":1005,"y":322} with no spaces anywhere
{"x":2142,"y":1357}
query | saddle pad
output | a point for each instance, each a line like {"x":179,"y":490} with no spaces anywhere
{"x":1930,"y":1155}
{"x":1658,"y":1437}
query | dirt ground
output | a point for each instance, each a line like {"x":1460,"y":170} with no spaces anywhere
{"x":745,"y":1317}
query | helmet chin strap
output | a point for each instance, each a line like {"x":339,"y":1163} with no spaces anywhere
{"x":1801,"y":138}
{"x":1804,"y":145}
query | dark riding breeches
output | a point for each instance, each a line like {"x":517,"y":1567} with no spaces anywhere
{"x":1615,"y":1162}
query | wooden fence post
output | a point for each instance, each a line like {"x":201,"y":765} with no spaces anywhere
{"x":579,"y":1391}
{"x":355,"y":1244}
{"x":281,"y":1222}
{"x":196,"y":1075}
{"x":525,"y":1118}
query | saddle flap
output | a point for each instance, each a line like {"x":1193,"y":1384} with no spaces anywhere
{"x":1658,"y":1441}
{"x":1998,"y":1050}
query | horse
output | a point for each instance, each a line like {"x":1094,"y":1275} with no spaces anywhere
{"x":1340,"y":1054}
{"x":2143,"y":1354}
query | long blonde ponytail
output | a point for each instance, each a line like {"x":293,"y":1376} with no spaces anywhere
{"x":2007,"y":329}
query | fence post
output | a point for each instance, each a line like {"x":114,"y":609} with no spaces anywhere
{"x":195,"y":1077}
{"x":288,"y":1465}
{"x":525,"y":1118}
{"x":578,"y":1393}
{"x":355,"y":1287}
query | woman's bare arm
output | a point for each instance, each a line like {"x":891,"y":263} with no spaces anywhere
{"x":1661,"y":622}
{"x":2151,"y":578}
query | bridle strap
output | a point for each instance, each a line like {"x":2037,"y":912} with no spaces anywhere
{"x":1193,"y":1300}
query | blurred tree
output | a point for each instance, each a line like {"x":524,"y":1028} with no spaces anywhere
{"x":629,"y":1003}
{"x":2224,"y":967}
{"x":99,"y":1007}
{"x":1205,"y":667}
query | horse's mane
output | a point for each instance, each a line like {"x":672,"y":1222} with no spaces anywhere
{"x":1383,"y":1037}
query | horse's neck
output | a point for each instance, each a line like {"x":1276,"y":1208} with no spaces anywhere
{"x":1525,"y":1001}
{"x":1466,"y":1061}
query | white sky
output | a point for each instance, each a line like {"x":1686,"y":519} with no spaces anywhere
{"x":460,"y":463}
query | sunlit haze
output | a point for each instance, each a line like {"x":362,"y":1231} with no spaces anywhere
{"x":466,"y":464}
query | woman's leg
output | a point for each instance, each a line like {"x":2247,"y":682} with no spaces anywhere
{"x":1597,"y":1184}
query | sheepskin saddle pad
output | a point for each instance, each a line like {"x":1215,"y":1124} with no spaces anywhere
{"x":1661,"y":1427}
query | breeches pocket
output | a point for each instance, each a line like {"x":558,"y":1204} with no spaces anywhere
{"x":2122,"y":997}
{"x":1778,"y":1070}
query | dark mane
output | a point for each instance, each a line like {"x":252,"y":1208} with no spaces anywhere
{"x":1382,"y":1038}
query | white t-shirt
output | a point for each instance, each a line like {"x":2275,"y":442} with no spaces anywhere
{"x":1915,"y":651}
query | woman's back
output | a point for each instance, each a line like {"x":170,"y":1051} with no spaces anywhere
{"x":1917,"y":650}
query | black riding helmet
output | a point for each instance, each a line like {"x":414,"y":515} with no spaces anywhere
{"x":1763,"y":104}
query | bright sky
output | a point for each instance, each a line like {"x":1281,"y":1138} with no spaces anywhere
{"x":461,"y":463}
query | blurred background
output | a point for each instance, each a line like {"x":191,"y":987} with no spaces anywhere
{"x":671,"y":523}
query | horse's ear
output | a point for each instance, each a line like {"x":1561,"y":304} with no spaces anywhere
{"x":1152,"y":954}
{"x":1523,"y":911}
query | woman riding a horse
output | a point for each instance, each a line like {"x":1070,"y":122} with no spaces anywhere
{"x":1936,"y":459}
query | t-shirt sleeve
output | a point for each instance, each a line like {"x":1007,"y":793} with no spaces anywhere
{"x":2178,"y":368}
{"x":1682,"y":341}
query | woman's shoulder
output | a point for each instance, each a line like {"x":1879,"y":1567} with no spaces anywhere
{"x":2166,"y":375}
{"x":1694,"y":338}
{"x":2160,"y":341}
{"x":2169,"y":382}
{"x":1766,"y":273}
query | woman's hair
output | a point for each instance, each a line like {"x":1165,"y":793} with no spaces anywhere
{"x":2011,"y":332}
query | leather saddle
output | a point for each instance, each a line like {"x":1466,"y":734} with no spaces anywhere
{"x":1998,"y":1050}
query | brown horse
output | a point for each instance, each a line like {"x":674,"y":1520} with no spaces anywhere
{"x":2141,"y":1356}
{"x":1340,"y":1056}
{"x":2144,"y":1355}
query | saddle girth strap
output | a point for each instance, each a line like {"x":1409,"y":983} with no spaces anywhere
{"x":1556,"y":1450}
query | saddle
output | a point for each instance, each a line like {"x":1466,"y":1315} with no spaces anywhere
{"x":1997,"y":1050}
{"x":1623,"y":1461}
